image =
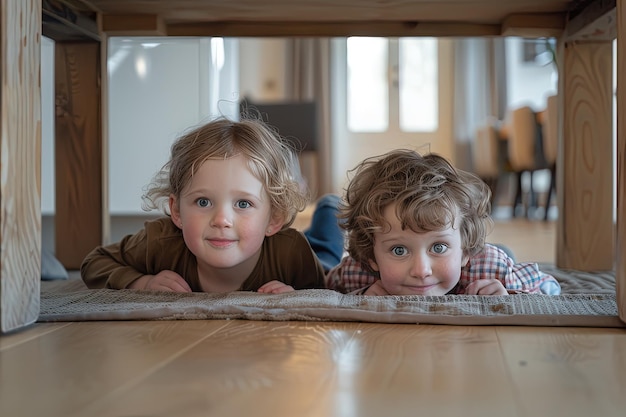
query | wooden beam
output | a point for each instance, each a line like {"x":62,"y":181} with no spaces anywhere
{"x":585,"y":161}
{"x":132,"y":25}
{"x":62,"y":22}
{"x":283,"y":29}
{"x":80,"y":212}
{"x":20,"y":152}
{"x":532,"y":25}
{"x":596,"y":21}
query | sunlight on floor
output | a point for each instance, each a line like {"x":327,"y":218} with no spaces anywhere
{"x":530,"y":240}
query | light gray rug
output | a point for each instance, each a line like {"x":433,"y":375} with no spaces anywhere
{"x":71,"y":301}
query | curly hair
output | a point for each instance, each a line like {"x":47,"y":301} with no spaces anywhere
{"x":429,"y":194}
{"x":270,"y":158}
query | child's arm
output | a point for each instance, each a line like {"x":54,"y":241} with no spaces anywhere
{"x":163,"y":281}
{"x":486,"y":287}
{"x":288,"y":262}
{"x":147,"y":256}
{"x":275,"y":287}
{"x":527,"y":277}
{"x":103,"y":269}
{"x":375,"y":289}
{"x":349,"y":277}
{"x":493,"y":263}
{"x":106,"y":267}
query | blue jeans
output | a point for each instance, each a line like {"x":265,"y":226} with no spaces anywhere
{"x":324,"y":234}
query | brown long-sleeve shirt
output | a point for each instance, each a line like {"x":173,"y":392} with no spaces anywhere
{"x":285,"y":256}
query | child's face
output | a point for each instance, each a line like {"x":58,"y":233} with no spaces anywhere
{"x":417,"y":263}
{"x":225,"y":214}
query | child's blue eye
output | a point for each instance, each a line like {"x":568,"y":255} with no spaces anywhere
{"x":440,"y":248}
{"x":243,"y":204}
{"x":203,"y":202}
{"x":399,"y":250}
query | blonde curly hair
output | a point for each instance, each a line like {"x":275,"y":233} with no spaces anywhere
{"x":429,"y":194}
{"x":270,"y":158}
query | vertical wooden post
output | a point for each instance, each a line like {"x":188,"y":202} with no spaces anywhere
{"x":20,"y":163}
{"x":78,"y":141}
{"x":585,"y":239}
{"x":620,"y":241}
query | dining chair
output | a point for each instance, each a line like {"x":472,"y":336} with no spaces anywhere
{"x":526,"y":154}
{"x":550,"y":145}
{"x":486,"y":158}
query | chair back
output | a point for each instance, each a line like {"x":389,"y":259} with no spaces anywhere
{"x":485,"y":152}
{"x":522,"y":137}
{"x":550,"y":130}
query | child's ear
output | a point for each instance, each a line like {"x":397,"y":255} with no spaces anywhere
{"x":175,"y":212}
{"x":465,"y":260}
{"x":374,"y":265}
{"x":276,"y":223}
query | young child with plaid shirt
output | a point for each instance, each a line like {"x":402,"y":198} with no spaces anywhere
{"x":417,"y":226}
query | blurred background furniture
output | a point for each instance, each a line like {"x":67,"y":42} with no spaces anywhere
{"x":298,"y":123}
{"x":526,"y":155}
{"x":489,"y":156}
{"x":550,"y":133}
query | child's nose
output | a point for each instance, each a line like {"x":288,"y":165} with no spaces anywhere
{"x":421,"y":266}
{"x":222,"y":217}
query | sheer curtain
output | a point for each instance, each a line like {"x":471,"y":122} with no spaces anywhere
{"x":480,"y":90}
{"x":480,"y":93}
{"x":308,"y":79}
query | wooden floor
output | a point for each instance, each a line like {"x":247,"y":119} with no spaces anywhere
{"x":530,"y":241}
{"x":248,"y":368}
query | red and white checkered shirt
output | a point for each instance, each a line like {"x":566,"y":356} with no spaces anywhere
{"x":492,"y":263}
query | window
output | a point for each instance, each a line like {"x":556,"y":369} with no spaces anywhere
{"x":392,"y":84}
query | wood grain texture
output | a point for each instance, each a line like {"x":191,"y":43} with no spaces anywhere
{"x":585,"y":179}
{"x":77,"y":365}
{"x":620,"y":241}
{"x":20,"y":153}
{"x":78,"y":144}
{"x":557,"y":372}
{"x":330,"y":29}
{"x":530,"y":18}
{"x":23,"y":335}
{"x":239,"y":368}
{"x":485,"y":11}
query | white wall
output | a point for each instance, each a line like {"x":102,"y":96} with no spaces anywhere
{"x":154,"y":95}
{"x":47,"y":127}
{"x":262,"y":73}
{"x":47,"y":144}
{"x":527,"y":83}
{"x":158,"y":89}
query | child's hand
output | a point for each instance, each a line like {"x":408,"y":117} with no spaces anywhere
{"x":376,"y":289}
{"x":275,"y":287}
{"x":163,"y":281}
{"x":486,"y":287}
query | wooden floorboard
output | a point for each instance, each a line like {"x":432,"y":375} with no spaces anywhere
{"x":240,"y":367}
{"x":529,"y":240}
{"x":31,"y":332}
{"x":69,"y":369}
{"x":566,"y":371}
